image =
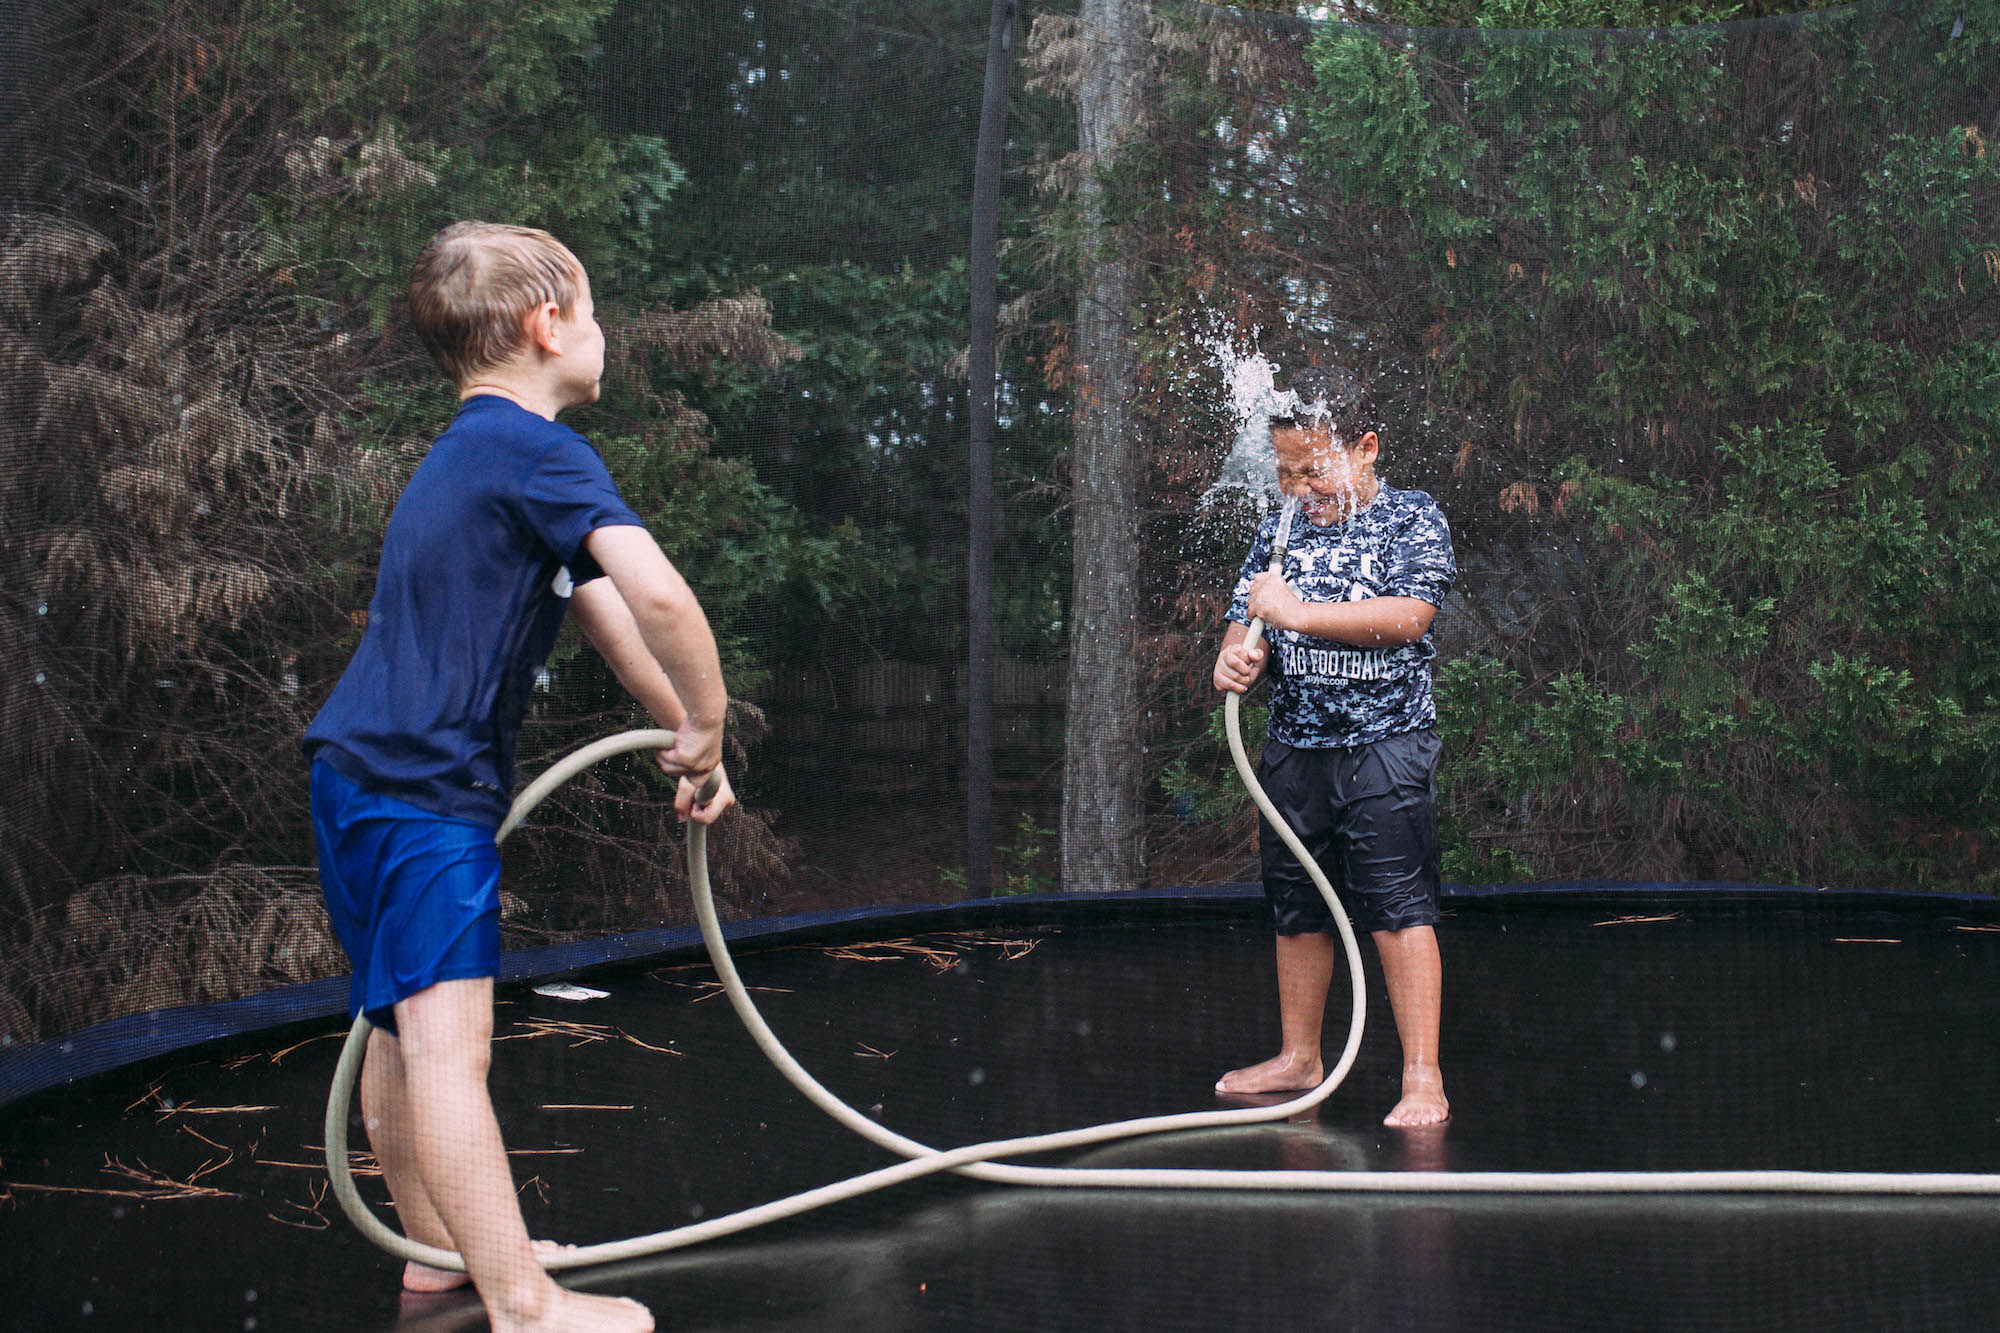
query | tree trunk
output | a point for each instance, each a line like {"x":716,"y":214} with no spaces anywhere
{"x":1103,"y":826}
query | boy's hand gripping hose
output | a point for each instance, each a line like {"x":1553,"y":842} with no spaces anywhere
{"x":976,"y":1160}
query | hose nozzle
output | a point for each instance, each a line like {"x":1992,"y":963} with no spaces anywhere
{"x":1283,"y":540}
{"x":1278,"y":545}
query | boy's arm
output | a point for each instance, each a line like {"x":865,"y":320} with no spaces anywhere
{"x":1375,"y":622}
{"x":607,"y":622}
{"x":674,"y":632}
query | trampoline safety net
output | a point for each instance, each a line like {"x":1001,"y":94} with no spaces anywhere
{"x":1686,"y":314}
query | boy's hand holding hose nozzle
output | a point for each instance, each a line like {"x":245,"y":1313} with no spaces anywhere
{"x":1241,"y":665}
{"x":1279,"y":543}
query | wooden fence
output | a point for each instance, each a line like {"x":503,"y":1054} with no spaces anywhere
{"x":900,"y":726}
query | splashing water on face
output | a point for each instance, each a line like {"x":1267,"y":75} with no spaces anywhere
{"x":1250,"y":472}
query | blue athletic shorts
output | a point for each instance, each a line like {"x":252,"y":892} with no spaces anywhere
{"x":1368,"y":815}
{"x":414,"y":896}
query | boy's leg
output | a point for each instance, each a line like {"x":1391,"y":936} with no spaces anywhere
{"x":1414,"y":975}
{"x":1294,"y":780}
{"x":1389,"y":822}
{"x":385,"y":1108}
{"x":446,"y":1038}
{"x":1305,"y":971}
{"x":385,"y":1104}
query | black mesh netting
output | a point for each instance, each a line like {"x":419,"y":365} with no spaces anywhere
{"x":1690,"y":330}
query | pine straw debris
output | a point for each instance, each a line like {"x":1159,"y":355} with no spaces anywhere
{"x":579,"y":1034}
{"x":1637,"y":920}
{"x":166,"y":1107}
{"x":277,"y":1057}
{"x":150,"y":1185}
{"x":583,"y":1106}
{"x":360,"y":1162}
{"x":708,"y":990}
{"x":941,"y":952}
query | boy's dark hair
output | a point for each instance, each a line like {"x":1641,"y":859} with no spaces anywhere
{"x":1329,"y":395}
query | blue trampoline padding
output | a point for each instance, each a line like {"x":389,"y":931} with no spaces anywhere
{"x":122,"y":1041}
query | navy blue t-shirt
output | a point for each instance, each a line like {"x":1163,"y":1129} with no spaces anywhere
{"x":1326,"y":694}
{"x":481,"y":554}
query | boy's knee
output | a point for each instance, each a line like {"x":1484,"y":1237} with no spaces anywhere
{"x":1404,"y":938}
{"x":448,"y":1058}
{"x":448,"y":1027}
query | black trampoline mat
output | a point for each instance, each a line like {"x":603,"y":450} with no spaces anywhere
{"x":1581,"y":1033}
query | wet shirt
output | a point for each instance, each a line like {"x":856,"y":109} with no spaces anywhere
{"x":1325,"y":693}
{"x":481,"y":554}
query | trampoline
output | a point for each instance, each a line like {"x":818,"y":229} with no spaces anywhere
{"x":1687,"y":1028}
{"x":1712,"y":422}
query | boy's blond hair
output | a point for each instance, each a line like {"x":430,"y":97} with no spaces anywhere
{"x":475,"y":284}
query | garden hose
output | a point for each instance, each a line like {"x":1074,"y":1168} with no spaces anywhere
{"x":977,"y":1160}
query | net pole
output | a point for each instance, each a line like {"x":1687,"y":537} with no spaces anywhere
{"x":983,"y":367}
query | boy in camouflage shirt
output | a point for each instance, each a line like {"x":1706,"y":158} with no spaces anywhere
{"x":1351,"y":752}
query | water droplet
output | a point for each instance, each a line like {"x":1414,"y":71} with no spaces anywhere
{"x":1638,"y":1078}
{"x":1667,"y":1041}
{"x":976,"y":1077}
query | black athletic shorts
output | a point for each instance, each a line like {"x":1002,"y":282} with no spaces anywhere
{"x":1368,"y":815}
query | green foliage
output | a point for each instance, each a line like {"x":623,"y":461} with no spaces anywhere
{"x":793,"y":503}
{"x":1697,"y":347}
{"x":412,"y":116}
{"x":1788,"y":358}
{"x":732,"y":538}
{"x":1212,"y":792}
{"x":1027,"y":865}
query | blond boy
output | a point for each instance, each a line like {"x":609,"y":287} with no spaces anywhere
{"x":510,"y":522}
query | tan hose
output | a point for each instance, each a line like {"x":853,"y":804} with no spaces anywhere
{"x":975,"y":1160}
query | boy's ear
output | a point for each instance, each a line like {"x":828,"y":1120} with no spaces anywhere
{"x":543,"y":325}
{"x":1368,"y":446}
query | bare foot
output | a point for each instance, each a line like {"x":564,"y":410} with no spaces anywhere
{"x":1423,"y":1099}
{"x":424,"y":1279}
{"x":575,"y":1312}
{"x":1281,"y":1073}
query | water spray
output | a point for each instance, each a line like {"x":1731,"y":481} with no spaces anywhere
{"x":1254,"y":400}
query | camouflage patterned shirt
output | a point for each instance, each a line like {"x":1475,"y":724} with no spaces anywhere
{"x":1325,"y":693}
